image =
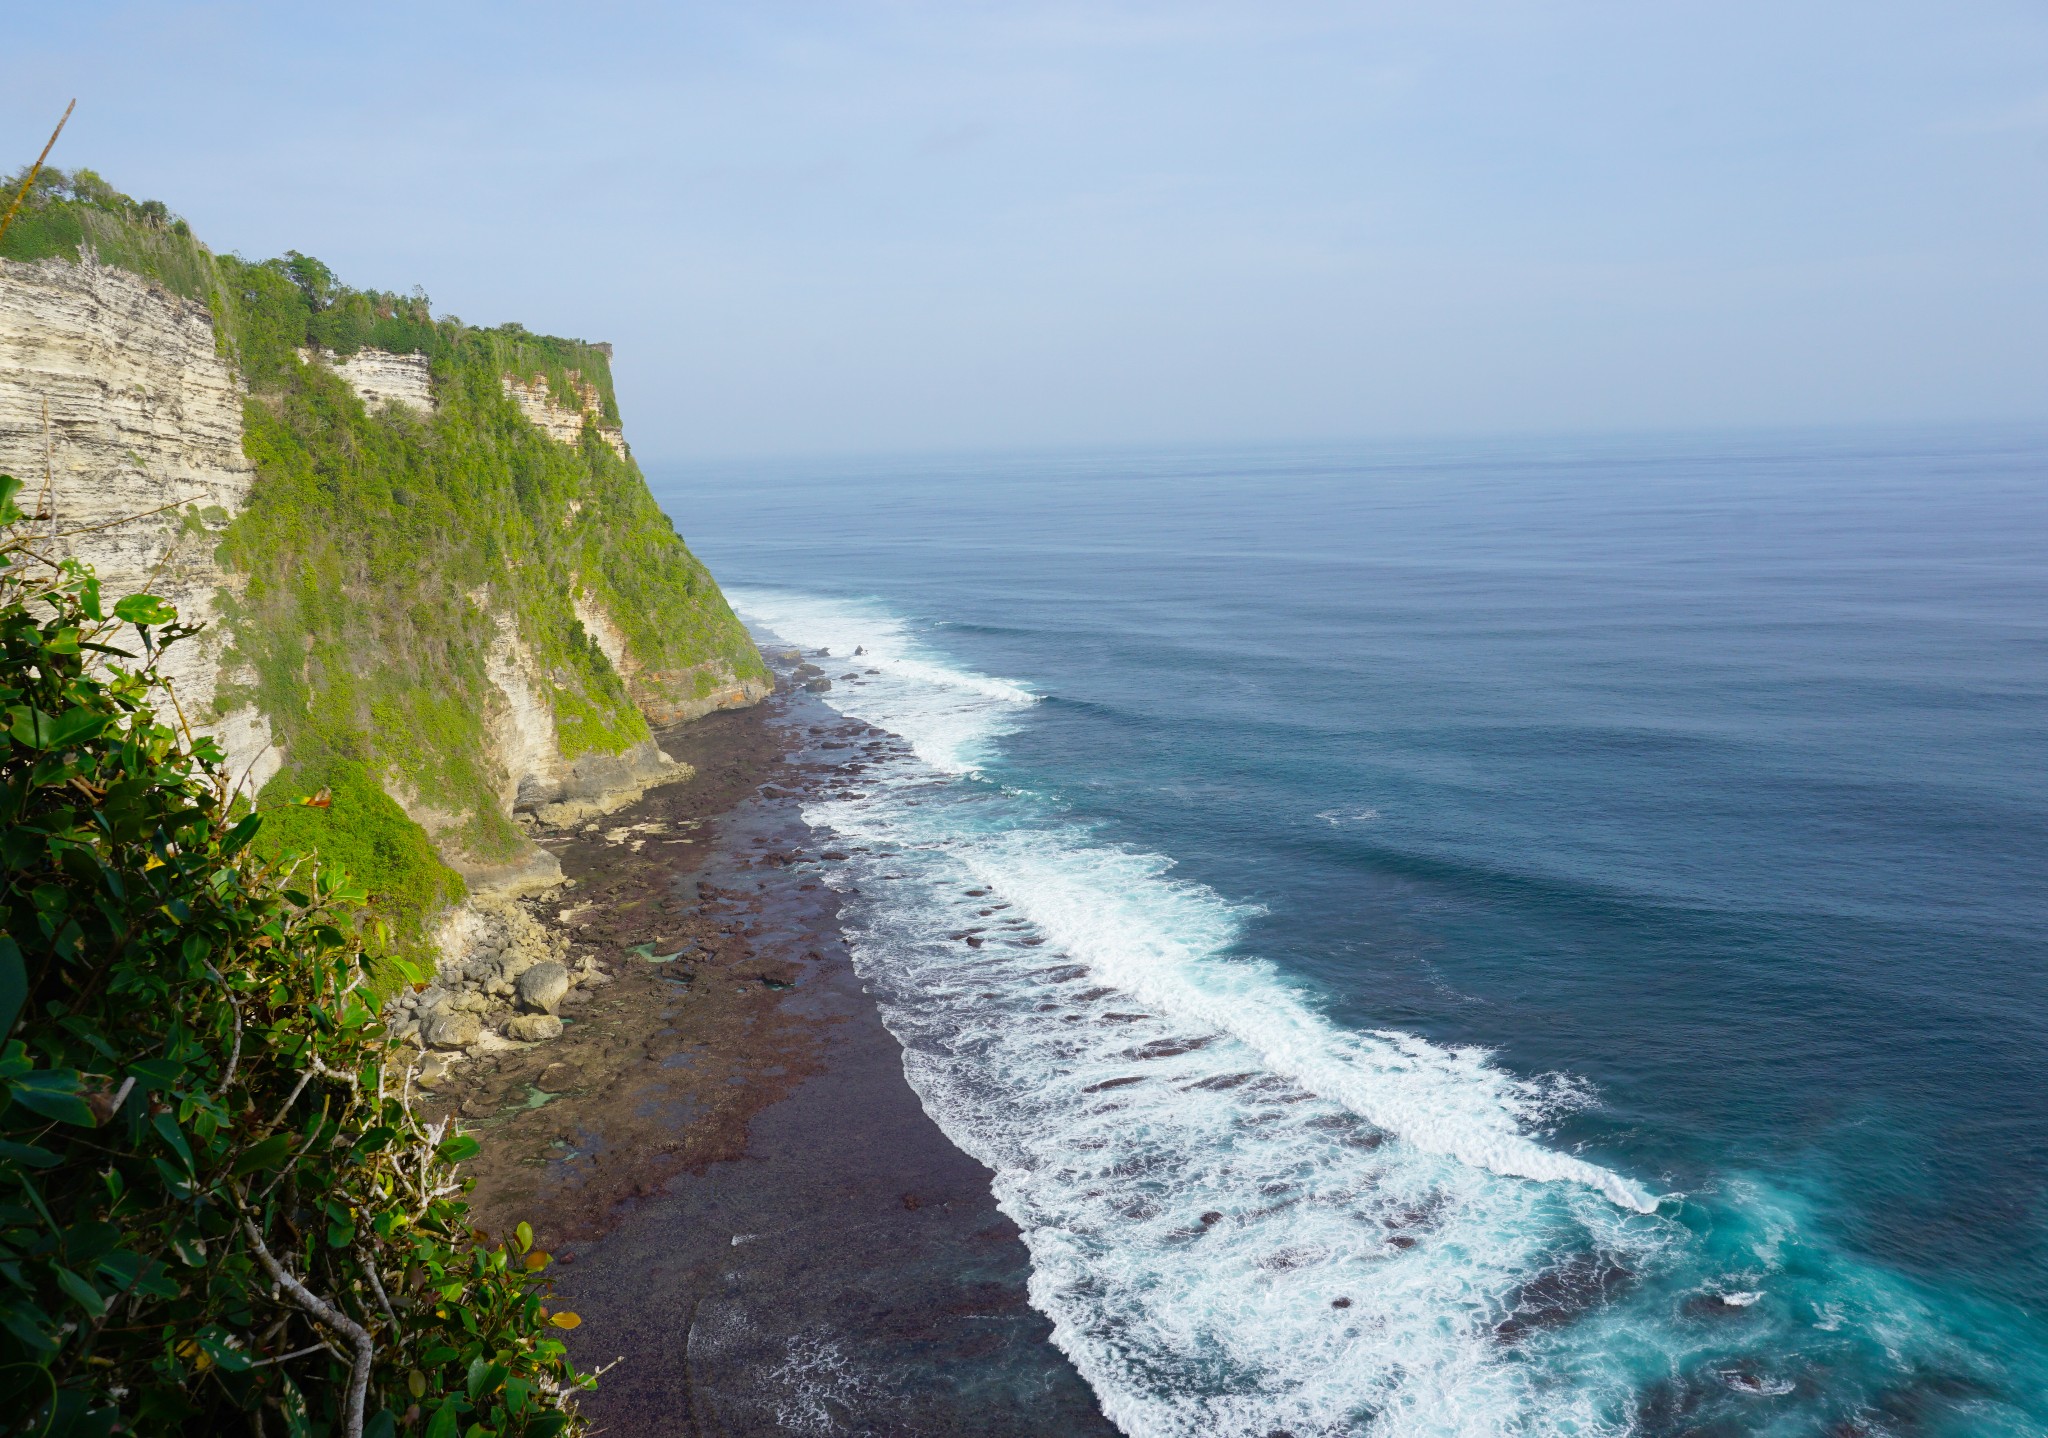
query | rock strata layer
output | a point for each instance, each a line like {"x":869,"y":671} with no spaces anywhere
{"x":124,"y":425}
{"x":124,"y":420}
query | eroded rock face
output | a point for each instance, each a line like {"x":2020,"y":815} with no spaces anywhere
{"x":382,"y":378}
{"x":562,"y":416}
{"x":657,"y":693}
{"x":120,"y":417}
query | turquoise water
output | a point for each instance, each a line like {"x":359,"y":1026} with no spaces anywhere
{"x":1525,"y":938}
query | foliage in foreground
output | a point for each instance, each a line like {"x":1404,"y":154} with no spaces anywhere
{"x":218,"y":1210}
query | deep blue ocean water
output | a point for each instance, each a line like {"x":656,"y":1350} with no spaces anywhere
{"x":1524,"y":937}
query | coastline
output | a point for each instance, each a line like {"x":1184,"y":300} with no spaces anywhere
{"x":749,"y":1207}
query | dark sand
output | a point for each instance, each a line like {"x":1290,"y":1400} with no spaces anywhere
{"x":752,"y":1210}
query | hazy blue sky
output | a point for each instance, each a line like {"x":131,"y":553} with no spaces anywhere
{"x":847,"y":227}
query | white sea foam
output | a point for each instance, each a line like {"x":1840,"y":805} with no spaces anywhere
{"x":1242,"y":1217}
{"x":949,"y":716}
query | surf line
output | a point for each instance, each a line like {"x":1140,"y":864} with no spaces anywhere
{"x":1416,"y":1091}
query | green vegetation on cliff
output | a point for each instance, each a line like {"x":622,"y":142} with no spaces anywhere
{"x":218,"y":1210}
{"x":388,"y":554}
{"x":353,"y":823}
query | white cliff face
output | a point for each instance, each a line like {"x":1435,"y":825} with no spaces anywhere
{"x":382,"y":379}
{"x":563,"y":422}
{"x":655,"y":701}
{"x":539,"y":779}
{"x":604,"y":634}
{"x":124,"y":425}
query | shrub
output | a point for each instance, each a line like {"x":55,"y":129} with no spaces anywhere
{"x":219,"y":1210}
{"x":360,"y":828}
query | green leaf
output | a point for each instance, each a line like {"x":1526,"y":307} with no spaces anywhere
{"x":23,"y":1325}
{"x":29,"y":726}
{"x":524,"y":1233}
{"x":145,"y":609}
{"x":446,"y":1420}
{"x":13,"y":984}
{"x":267,"y":1154}
{"x":240,"y":835}
{"x":53,"y":1093}
{"x":156,"y":1075}
{"x":87,"y":1297}
{"x":28,"y":1154}
{"x":131,"y":1272}
{"x":167,"y":1127}
{"x":458,"y":1148}
{"x":10,"y":512}
{"x":214,"y":1340}
{"x":75,"y":726}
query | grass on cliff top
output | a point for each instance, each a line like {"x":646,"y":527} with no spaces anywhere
{"x":389,"y":555}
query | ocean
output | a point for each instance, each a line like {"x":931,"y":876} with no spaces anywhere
{"x":1522,"y":937}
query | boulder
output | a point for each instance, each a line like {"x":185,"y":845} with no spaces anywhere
{"x":542,"y":987}
{"x":451,"y":1030}
{"x":434,"y":1069}
{"x":534,"y":1028}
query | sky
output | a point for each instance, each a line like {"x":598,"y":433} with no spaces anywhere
{"x":845,"y":228}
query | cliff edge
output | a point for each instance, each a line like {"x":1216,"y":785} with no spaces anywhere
{"x":437,"y":590}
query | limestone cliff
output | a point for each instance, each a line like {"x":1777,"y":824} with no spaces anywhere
{"x":425,"y":558}
{"x":122,"y":419}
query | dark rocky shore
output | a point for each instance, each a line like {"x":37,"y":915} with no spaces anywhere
{"x":752,"y":1213}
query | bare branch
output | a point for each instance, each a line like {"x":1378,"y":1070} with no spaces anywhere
{"x":234,"y":1054}
{"x":123,"y":519}
{"x":377,"y":1286}
{"x":334,"y":1318}
{"x":322,"y":1346}
{"x":22,"y":193}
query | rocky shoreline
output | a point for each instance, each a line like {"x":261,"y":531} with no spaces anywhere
{"x":752,"y":1213}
